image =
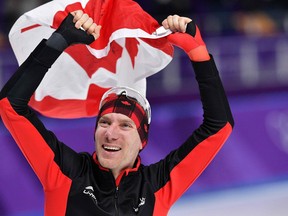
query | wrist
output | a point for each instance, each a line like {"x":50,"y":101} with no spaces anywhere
{"x":57,"y":42}
{"x":45,"y":55}
{"x":199,"y":54}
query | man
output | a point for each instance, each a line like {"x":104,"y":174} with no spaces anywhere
{"x":113,"y":181}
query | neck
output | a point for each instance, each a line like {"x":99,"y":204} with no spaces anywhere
{"x":117,"y":173}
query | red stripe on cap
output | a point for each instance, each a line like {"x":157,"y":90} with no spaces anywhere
{"x":113,"y":110}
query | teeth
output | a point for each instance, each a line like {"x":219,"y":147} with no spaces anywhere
{"x":111,"y":148}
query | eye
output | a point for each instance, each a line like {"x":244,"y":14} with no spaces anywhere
{"x":104,"y":122}
{"x":126,"y":125}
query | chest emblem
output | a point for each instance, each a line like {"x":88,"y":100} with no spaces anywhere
{"x":142,"y":203}
{"x":90,"y":192}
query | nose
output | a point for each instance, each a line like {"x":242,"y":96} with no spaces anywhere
{"x":111,"y":133}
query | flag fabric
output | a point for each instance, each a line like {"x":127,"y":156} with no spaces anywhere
{"x":130,"y":48}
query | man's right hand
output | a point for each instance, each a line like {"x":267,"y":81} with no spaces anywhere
{"x":78,"y":27}
{"x":82,"y":20}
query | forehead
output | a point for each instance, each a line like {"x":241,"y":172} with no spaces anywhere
{"x":117,"y":117}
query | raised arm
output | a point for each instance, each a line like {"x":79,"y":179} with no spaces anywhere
{"x":175,"y":174}
{"x":40,"y":147}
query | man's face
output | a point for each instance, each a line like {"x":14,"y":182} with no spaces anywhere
{"x":117,"y":142}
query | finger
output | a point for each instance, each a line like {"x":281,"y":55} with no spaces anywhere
{"x":77,"y":15}
{"x":91,"y":28}
{"x":170,"y":22}
{"x":86,"y":25}
{"x":173,"y":22}
{"x":183,"y":21}
{"x":81,"y":21}
{"x":165,"y":24}
{"x":96,"y":32}
{"x":176,"y":23}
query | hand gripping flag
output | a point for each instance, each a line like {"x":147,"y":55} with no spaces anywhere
{"x":130,"y":48}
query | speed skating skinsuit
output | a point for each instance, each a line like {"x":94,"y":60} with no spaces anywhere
{"x":75,"y":184}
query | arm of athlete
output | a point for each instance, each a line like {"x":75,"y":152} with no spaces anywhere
{"x":175,"y":174}
{"x":41,"y":148}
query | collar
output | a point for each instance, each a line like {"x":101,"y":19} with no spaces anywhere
{"x":123,"y":173}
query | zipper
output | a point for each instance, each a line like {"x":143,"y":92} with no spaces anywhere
{"x":116,"y":201}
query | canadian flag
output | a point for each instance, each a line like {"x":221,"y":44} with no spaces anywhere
{"x":131,"y":47}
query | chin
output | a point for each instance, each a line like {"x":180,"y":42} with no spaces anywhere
{"x":106,"y":163}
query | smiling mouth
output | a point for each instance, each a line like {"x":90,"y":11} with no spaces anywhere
{"x":111,"y":148}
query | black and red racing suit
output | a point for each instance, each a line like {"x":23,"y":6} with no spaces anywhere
{"x":75,"y":184}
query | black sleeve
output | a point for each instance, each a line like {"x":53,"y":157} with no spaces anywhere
{"x":179,"y":169}
{"x":43,"y":150}
{"x":21,"y":86}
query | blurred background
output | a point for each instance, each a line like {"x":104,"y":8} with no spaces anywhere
{"x":249,"y":176}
